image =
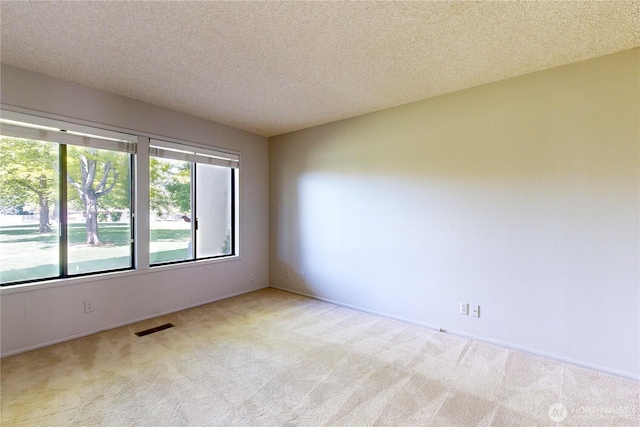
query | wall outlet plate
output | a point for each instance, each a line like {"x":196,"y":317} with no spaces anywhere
{"x":475,"y":310}
{"x":89,"y":307}
{"x":464,"y":308}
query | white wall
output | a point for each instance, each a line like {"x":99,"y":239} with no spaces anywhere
{"x":521,"y":196}
{"x":37,"y":315}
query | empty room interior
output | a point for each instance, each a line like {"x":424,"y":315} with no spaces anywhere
{"x":320,"y":213}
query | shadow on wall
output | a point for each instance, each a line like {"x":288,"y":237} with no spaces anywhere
{"x":521,"y":196}
{"x":451,"y":188}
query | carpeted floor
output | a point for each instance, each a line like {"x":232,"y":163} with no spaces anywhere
{"x":271,"y":358}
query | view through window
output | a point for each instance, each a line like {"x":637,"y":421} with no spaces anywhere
{"x":29,"y":209}
{"x":191,"y":204}
{"x":170,"y":211}
{"x":64,"y":209}
{"x":67,"y":197}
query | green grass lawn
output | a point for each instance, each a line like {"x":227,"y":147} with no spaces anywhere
{"x":26,"y":254}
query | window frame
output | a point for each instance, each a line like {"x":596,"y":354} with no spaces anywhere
{"x":198,"y":155}
{"x":139,"y":211}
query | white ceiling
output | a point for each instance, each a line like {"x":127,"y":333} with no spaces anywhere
{"x":275,"y":67}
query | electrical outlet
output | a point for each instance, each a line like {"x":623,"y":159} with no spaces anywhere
{"x":475,"y":310}
{"x":251,"y":277}
{"x":89,"y":307}
{"x":302,"y":276}
{"x":464,"y":308}
{"x":287,"y":274}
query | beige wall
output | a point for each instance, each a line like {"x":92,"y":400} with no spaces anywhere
{"x":43,"y":314}
{"x":521,"y":196}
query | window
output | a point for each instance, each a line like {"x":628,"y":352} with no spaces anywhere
{"x":68,"y":193}
{"x":98,"y":196}
{"x":192,"y":204}
{"x":29,"y":196}
{"x":65,"y":200}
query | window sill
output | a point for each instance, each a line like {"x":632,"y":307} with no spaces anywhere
{"x":70,"y":281}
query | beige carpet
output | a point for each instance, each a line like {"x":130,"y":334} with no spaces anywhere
{"x":271,"y":358}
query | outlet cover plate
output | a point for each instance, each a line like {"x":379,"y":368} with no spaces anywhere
{"x":475,"y":310}
{"x":464,"y":308}
{"x":89,"y":307}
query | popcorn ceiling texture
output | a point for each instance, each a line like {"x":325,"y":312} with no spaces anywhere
{"x":275,"y":67}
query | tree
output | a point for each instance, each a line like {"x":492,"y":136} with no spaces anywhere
{"x":28,"y":175}
{"x":169,"y":186}
{"x":94,"y":174}
{"x":29,"y":172}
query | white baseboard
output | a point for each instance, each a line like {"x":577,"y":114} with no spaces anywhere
{"x":118,"y":325}
{"x":597,"y":368}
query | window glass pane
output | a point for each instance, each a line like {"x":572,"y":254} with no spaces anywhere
{"x":29,"y":195}
{"x":98,"y":210}
{"x":213,"y":211}
{"x":170,"y":219}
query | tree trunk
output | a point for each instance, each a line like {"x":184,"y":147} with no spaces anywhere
{"x":44,"y":214}
{"x":91,"y":213}
{"x":90,"y":195}
{"x":43,"y":201}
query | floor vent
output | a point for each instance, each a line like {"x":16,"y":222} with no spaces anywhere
{"x":156,"y":329}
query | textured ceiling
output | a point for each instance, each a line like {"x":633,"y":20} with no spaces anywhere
{"x":275,"y":67}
